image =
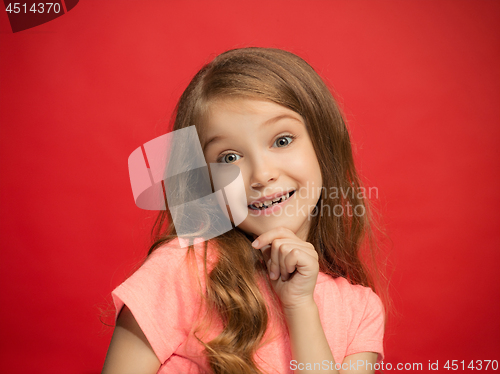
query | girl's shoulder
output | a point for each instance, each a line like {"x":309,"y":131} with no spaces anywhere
{"x":170,"y":270}
{"x":164,"y":294}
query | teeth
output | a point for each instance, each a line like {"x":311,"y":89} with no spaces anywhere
{"x":268,"y":203}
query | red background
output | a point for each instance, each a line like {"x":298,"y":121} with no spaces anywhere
{"x":420,"y":86}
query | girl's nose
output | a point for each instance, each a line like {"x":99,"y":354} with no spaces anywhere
{"x":263,"y":173}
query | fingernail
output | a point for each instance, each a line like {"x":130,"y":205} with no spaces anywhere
{"x":272,"y":275}
{"x":255,"y":244}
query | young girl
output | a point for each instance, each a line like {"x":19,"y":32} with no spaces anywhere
{"x":285,"y":290}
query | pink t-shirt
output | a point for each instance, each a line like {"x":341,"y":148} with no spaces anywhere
{"x":165,"y":298}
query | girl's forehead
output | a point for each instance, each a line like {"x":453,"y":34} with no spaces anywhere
{"x":251,"y":109}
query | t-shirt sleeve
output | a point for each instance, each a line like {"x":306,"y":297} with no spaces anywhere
{"x":163,"y":296}
{"x":369,"y":334}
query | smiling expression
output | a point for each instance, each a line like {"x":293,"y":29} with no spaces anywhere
{"x":271,"y":146}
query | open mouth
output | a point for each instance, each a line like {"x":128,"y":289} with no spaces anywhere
{"x":267,"y":204}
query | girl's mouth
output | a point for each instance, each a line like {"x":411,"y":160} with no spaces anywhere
{"x":268,"y":204}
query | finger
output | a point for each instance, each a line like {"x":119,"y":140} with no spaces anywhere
{"x":284,"y":250}
{"x":307,"y":247}
{"x":301,"y":261}
{"x":289,"y":253}
{"x":291,"y":261}
{"x":274,"y":266}
{"x":269,"y":236}
{"x":279,"y":250}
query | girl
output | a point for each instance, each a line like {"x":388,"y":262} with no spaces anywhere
{"x":284,"y":291}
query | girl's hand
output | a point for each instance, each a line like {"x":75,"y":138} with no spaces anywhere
{"x":292,"y":264}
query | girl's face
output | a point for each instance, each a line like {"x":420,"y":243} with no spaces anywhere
{"x":271,"y":146}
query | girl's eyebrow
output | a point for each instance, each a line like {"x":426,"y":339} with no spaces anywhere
{"x":216,"y":138}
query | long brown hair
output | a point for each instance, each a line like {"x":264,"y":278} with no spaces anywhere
{"x":231,"y":287}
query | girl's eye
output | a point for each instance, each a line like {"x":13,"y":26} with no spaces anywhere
{"x":283,"y":141}
{"x":228,"y":158}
